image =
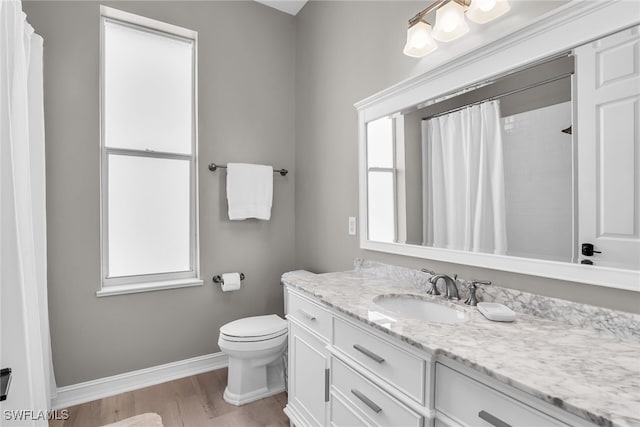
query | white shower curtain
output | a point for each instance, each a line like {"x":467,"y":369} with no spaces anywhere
{"x":463,"y":175}
{"x":23,"y":269}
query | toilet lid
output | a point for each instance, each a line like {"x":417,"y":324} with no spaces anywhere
{"x":255,"y":326}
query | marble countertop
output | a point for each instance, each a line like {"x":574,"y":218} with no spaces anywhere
{"x":593,"y":375}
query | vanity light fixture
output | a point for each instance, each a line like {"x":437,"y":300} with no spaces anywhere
{"x":483,"y":11}
{"x":450,"y":22}
{"x":419,"y":40}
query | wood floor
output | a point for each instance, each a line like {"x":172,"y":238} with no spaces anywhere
{"x":189,"y":402}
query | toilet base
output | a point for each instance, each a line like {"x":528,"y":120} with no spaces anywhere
{"x":239,"y":400}
{"x":248,"y":383}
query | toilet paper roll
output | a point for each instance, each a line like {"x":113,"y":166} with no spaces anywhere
{"x":230,"y":281}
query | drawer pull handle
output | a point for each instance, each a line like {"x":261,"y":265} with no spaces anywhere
{"x":327,"y":376}
{"x":368,"y":353}
{"x":375,"y":408}
{"x":494,"y":421}
{"x":307,"y":315}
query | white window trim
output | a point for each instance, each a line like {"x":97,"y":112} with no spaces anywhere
{"x":170,"y":280}
{"x":147,"y":287}
{"x":400,"y":184}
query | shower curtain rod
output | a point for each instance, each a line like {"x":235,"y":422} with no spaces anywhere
{"x":515,"y":82}
{"x":213,"y":167}
{"x":493,"y":98}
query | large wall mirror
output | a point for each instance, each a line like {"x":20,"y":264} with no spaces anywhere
{"x":535,"y":169}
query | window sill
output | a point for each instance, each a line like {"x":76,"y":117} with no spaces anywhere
{"x":147,"y":287}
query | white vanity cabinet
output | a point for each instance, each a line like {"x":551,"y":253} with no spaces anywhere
{"x":345,"y":373}
{"x":308,"y":363}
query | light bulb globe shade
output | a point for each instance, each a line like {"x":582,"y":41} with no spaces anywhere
{"x":419,"y":40}
{"x":483,"y":11}
{"x":485,"y":5}
{"x":450,"y":22}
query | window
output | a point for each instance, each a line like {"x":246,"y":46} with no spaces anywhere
{"x":381,"y":171}
{"x":148,"y":149}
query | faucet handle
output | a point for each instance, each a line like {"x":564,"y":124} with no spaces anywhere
{"x":433,"y":289}
{"x":472,"y":300}
{"x":480,"y":282}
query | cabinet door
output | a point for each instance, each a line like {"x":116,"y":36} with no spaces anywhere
{"x":608,"y":134}
{"x":308,"y":376}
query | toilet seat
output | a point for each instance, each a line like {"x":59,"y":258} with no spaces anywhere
{"x":255,"y":328}
{"x":253,"y":339}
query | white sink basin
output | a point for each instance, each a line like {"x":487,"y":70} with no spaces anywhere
{"x":412,"y":307}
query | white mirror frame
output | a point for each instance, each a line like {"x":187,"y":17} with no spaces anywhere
{"x":572,"y":25}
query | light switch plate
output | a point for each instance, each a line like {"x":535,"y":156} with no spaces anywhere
{"x":352,"y":225}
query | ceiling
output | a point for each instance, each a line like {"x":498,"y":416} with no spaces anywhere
{"x":292,"y":7}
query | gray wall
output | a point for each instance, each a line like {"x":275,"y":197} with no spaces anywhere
{"x":246,"y":113}
{"x":347,"y":51}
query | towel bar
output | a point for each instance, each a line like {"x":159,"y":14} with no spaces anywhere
{"x":213,"y":167}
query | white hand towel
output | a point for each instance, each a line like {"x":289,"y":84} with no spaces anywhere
{"x":249,"y":191}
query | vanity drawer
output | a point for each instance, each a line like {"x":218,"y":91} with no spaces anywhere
{"x":386,"y":360}
{"x":471,"y":403}
{"x":310,"y":314}
{"x":342,"y":415}
{"x":381,"y":408}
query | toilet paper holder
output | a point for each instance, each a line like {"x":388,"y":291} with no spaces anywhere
{"x":218,"y":278}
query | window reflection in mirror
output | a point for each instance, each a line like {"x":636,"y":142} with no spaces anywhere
{"x":381,"y":176}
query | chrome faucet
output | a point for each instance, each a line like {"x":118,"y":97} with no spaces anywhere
{"x":451,"y":290}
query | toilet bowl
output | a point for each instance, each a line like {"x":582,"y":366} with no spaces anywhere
{"x":255,"y":347}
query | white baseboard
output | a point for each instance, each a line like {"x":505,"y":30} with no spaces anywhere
{"x":104,"y":387}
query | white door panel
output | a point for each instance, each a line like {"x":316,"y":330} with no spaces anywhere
{"x":608,"y":146}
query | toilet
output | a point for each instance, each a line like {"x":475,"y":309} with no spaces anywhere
{"x":255,"y":347}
